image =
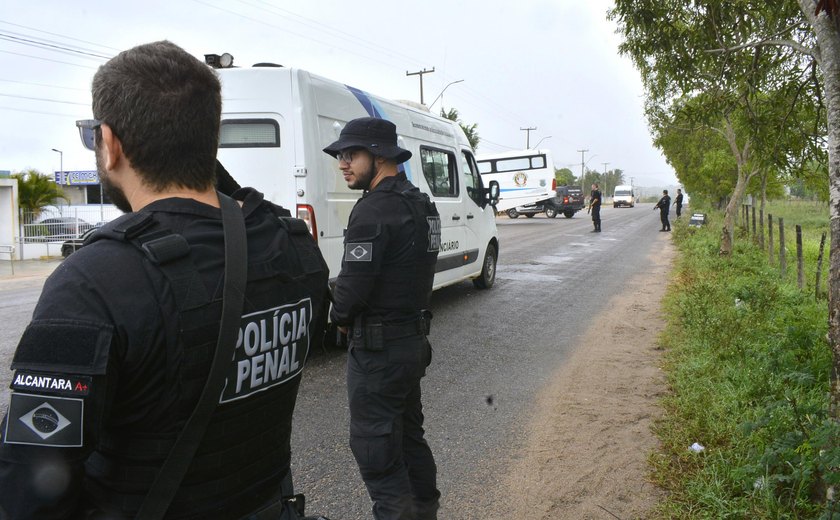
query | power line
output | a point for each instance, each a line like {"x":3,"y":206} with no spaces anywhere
{"x":41,"y":85}
{"x":493,"y":106}
{"x":328,"y":29}
{"x":47,"y":45}
{"x":48,"y":59}
{"x":44,"y":99}
{"x":59,"y":35}
{"x":39,"y":112}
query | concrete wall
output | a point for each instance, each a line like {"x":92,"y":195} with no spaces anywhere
{"x":9,"y":217}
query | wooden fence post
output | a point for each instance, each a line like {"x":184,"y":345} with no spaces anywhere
{"x":800,"y":267}
{"x":819,"y":267}
{"x":770,"y":238}
{"x":753,"y":220}
{"x":782,"y":256}
{"x":761,"y":228}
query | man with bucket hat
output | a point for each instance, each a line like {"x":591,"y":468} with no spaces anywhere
{"x":380,"y":300}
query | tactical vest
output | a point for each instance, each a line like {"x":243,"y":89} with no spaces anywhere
{"x":245,"y":452}
{"x":413,"y":288}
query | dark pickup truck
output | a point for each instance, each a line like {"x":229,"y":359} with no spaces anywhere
{"x":567,"y":201}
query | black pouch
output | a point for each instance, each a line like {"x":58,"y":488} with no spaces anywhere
{"x":374,"y":340}
{"x":426,"y":321}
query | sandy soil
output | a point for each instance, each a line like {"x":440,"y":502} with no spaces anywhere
{"x":592,"y":433}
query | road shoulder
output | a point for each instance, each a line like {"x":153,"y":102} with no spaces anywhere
{"x":586,"y":455}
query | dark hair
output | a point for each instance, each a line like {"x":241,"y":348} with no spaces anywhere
{"x":165,"y":106}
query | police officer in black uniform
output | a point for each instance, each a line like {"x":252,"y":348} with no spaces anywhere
{"x":664,"y":206}
{"x":678,"y":202}
{"x":381,"y":299}
{"x":122,"y":338}
{"x":595,"y":207}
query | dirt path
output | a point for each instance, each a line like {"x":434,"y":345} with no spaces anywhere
{"x":592,"y":430}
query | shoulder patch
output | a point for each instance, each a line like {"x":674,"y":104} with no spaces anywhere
{"x":58,"y":384}
{"x":358,"y":252}
{"x":44,"y":421}
{"x":64,"y":346}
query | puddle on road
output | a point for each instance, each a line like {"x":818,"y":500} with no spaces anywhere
{"x":554,"y":259}
{"x":524,"y":276}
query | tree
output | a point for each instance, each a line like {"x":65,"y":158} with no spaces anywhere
{"x":564,"y":177}
{"x":470,"y":130}
{"x":746,"y":82}
{"x":741,"y":48}
{"x":37,"y":191}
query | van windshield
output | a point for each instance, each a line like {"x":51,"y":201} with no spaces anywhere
{"x":623,"y":193}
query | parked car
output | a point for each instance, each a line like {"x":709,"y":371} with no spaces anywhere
{"x":72,"y":245}
{"x":567,"y":201}
{"x":62,"y":227}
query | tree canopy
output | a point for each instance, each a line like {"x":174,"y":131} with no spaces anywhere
{"x":470,"y":130}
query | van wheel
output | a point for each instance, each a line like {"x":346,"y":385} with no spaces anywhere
{"x":488,"y":270}
{"x":550,"y":212}
{"x":512,"y":213}
{"x":568,"y":213}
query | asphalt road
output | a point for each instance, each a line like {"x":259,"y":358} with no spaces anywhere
{"x":493,"y":351}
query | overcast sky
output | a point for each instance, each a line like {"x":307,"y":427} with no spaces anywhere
{"x":548,"y":64}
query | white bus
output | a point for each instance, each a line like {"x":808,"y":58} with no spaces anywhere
{"x":524,"y":176}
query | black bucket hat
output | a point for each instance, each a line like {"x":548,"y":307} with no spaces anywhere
{"x":378,"y":136}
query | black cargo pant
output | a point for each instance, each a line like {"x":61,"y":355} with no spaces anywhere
{"x":596,"y":217}
{"x":666,"y":224}
{"x":386,"y":427}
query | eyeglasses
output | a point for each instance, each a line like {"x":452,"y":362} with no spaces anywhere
{"x":347,"y":155}
{"x":87,"y":131}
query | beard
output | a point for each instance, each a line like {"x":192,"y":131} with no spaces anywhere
{"x":114,"y":192}
{"x":363,"y":180}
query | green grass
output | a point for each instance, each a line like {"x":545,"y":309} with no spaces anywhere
{"x":813,"y":218}
{"x":748,"y":365}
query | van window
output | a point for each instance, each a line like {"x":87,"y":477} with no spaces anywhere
{"x":440,"y":171}
{"x":472,"y":179}
{"x":249,"y":133}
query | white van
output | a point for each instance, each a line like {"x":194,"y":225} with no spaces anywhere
{"x":524,"y":176}
{"x":275,"y":123}
{"x":624,"y":196}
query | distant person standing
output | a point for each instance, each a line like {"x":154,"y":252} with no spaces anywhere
{"x":678,"y":202}
{"x":664,"y":206}
{"x":595,"y":207}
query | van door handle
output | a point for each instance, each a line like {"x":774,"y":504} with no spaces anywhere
{"x":456,"y":217}
{"x":470,"y":216}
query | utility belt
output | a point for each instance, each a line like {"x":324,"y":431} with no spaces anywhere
{"x":371,"y":333}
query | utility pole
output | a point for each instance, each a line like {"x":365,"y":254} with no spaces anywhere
{"x":420,"y":73}
{"x":582,"y":179}
{"x":528,"y":136}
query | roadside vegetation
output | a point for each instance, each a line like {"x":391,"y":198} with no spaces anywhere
{"x":748,"y":364}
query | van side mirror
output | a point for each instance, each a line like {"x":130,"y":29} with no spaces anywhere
{"x":493,"y":193}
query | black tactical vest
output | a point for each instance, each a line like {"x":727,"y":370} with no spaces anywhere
{"x":245,"y":452}
{"x":412,"y":288}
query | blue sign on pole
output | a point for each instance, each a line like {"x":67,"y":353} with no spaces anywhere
{"x":77,"y":178}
